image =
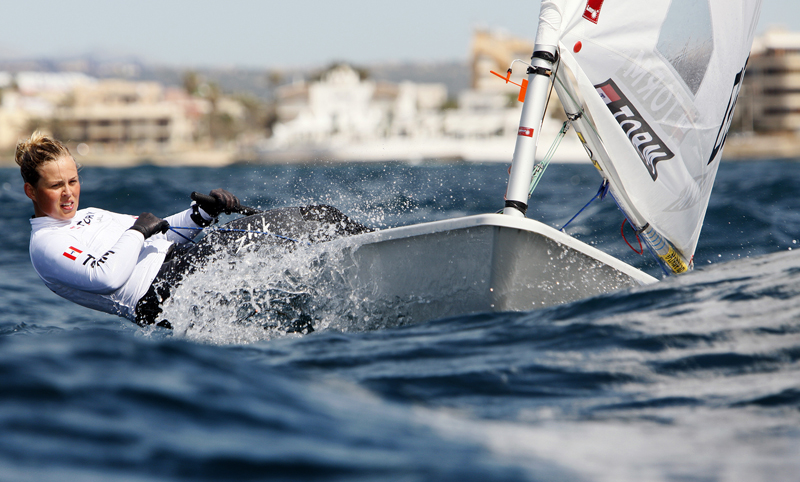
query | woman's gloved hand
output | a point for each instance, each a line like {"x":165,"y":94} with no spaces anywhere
{"x":148,"y":225}
{"x":224,"y":201}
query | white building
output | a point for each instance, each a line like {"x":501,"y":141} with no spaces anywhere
{"x":344,"y":108}
{"x":108,"y":116}
{"x":342,"y":116}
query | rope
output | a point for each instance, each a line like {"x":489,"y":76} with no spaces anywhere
{"x":538,"y":169}
{"x":622,"y":232}
{"x":181,"y":235}
{"x":601,"y":193}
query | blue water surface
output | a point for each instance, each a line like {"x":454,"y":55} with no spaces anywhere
{"x":695,"y":378}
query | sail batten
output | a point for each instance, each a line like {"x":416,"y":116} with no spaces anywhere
{"x":659,"y":81}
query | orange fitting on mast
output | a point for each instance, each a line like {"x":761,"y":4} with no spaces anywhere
{"x":522,"y":87}
{"x":506,"y":77}
{"x":522,"y":90}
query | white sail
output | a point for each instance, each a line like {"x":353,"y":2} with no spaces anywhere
{"x":659,"y":80}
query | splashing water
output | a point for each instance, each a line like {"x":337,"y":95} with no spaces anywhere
{"x":262,"y":290}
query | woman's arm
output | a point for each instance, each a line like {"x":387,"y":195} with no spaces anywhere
{"x":184,"y":219}
{"x":63,"y":259}
{"x":218,"y":201}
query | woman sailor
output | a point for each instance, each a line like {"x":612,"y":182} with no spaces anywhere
{"x":98,"y":259}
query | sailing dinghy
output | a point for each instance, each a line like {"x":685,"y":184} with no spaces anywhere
{"x":650,"y":87}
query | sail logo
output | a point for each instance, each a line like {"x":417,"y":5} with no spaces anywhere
{"x":722,"y":135}
{"x":525,"y":131}
{"x":648,"y":145}
{"x":592,"y":10}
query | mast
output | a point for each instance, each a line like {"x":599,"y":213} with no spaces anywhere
{"x":658,"y":82}
{"x":530,"y":123}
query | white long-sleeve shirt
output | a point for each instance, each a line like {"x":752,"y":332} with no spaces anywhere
{"x":96,"y":261}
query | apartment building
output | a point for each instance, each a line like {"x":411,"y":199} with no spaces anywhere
{"x":111,"y":115}
{"x":494,"y":51}
{"x":118,"y":115}
{"x":770,"y":98}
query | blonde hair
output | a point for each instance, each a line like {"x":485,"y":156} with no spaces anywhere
{"x":34,"y":152}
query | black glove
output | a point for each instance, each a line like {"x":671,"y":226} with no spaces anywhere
{"x":223,"y":202}
{"x":148,"y":225}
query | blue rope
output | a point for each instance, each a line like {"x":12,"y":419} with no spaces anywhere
{"x":231,"y":230}
{"x":174,"y":230}
{"x":601,"y":193}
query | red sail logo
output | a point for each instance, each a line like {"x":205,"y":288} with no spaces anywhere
{"x":651,"y":149}
{"x":592,"y":11}
{"x":525,"y":131}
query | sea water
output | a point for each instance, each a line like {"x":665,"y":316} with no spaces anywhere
{"x":695,"y":378}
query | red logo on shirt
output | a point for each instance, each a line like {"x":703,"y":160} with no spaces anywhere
{"x":592,"y":11}
{"x":71,"y":254}
{"x":525,"y":131}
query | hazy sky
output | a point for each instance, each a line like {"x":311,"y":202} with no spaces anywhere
{"x":277,"y":33}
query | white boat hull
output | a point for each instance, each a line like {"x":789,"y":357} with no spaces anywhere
{"x":490,"y":262}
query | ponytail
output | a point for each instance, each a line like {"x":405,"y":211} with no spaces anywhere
{"x":34,"y":152}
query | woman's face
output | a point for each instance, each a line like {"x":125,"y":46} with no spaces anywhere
{"x":58,"y":190}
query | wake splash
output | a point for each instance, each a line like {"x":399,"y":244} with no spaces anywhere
{"x":290,"y":289}
{"x":275,"y":290}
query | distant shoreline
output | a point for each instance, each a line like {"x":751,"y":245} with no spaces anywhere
{"x":761,"y":147}
{"x":737,"y":148}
